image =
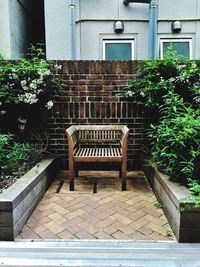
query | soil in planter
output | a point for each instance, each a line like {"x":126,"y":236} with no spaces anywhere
{"x":7,"y":180}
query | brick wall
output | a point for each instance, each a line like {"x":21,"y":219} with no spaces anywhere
{"x":90,"y":98}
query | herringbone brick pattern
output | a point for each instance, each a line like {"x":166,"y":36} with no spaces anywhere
{"x":108,"y":214}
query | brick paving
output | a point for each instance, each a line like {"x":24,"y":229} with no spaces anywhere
{"x":108,"y":214}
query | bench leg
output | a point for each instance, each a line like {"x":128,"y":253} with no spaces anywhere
{"x":71,"y":185}
{"x":95,"y":186}
{"x":71,"y":175}
{"x":123,"y":175}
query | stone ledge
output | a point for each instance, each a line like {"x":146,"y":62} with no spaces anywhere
{"x":19,"y":201}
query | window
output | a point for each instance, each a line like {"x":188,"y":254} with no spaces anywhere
{"x":118,"y":49}
{"x":181,"y":46}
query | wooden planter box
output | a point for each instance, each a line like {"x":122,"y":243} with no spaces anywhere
{"x":186,"y":225}
{"x":19,"y":201}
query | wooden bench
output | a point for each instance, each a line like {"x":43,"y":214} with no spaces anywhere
{"x":97,"y":143}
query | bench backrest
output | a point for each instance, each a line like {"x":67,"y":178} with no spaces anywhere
{"x":98,"y":136}
{"x":97,"y":133}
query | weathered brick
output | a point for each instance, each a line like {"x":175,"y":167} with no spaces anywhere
{"x":90,"y":97}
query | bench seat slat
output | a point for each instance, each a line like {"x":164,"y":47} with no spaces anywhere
{"x":90,"y":152}
{"x":98,"y":154}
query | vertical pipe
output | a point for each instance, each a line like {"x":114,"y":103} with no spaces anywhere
{"x":153,"y":29}
{"x":72,"y":29}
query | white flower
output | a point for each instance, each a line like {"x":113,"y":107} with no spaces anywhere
{"x":13,"y":76}
{"x":2,"y":112}
{"x":58,"y":67}
{"x":130,"y":93}
{"x":22,"y":120}
{"x":23,"y":83}
{"x":49,"y":104}
{"x":28,"y":98}
{"x":33,"y":85}
{"x":172,"y":79}
{"x":142,"y":94}
{"x":182,"y":66}
{"x":44,"y":72}
{"x":41,"y":78}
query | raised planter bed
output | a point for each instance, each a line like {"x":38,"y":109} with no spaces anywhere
{"x":19,"y":201}
{"x":186,"y":225}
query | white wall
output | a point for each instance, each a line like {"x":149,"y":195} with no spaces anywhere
{"x":95,"y":18}
{"x":14,"y":35}
{"x":5,"y":47}
{"x":93,"y":28}
{"x":178,"y":9}
{"x":100,"y":17}
{"x":57,"y":29}
{"x":19,"y":23}
{"x":188,"y":12}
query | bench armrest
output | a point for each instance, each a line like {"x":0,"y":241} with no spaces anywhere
{"x":71,"y":138}
{"x":124,"y":140}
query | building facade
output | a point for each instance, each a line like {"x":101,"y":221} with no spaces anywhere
{"x":21,"y":23}
{"x":86,"y":29}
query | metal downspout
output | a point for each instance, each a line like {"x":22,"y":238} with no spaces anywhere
{"x":153,"y":29}
{"x":72,"y":29}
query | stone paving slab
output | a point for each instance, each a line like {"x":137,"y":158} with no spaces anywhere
{"x":108,"y":214}
{"x":96,"y":253}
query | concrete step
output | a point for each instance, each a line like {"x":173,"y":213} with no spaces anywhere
{"x":99,"y":253}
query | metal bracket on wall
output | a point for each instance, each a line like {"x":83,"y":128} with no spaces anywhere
{"x":126,"y":2}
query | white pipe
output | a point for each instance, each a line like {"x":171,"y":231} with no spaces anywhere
{"x":72,"y":15}
{"x":153,"y":29}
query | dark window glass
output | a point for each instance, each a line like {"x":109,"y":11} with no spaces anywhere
{"x":182,"y":49}
{"x":118,"y":51}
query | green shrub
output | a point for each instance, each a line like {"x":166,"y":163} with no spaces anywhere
{"x":16,"y":157}
{"x":171,"y":87}
{"x":176,"y":140}
{"x":4,"y":147}
{"x":154,"y":79}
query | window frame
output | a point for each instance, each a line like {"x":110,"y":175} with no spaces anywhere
{"x":118,"y":41}
{"x":176,"y":40}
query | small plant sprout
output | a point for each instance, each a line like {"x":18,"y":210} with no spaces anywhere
{"x":157,"y":205}
{"x":168,"y":231}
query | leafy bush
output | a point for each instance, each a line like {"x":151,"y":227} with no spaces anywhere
{"x":28,"y":82}
{"x":172,"y":88}
{"x":16,"y":157}
{"x":4,"y":146}
{"x":154,"y":79}
{"x":176,"y":140}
